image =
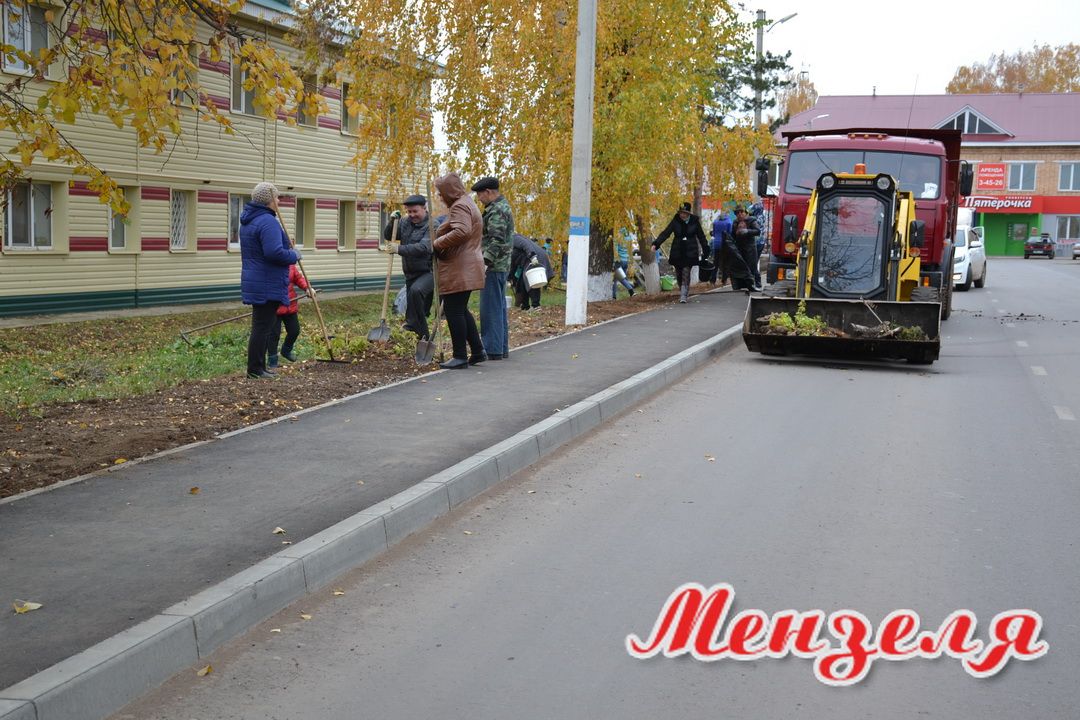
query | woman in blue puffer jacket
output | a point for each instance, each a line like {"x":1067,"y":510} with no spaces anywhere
{"x":264,"y":275}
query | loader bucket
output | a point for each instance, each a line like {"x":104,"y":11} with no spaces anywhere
{"x":840,"y":315}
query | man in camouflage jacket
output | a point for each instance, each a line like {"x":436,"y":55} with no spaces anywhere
{"x":497,"y":245}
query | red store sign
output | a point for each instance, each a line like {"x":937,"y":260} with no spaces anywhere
{"x":990,"y":176}
{"x":1003,"y":203}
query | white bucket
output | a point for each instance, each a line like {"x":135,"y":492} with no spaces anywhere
{"x":536,"y":277}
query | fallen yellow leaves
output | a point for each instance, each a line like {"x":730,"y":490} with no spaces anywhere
{"x":305,"y":616}
{"x":338,"y":593}
{"x":205,"y":671}
{"x":710,"y":458}
{"x":194,"y":491}
{"x":119,"y":461}
{"x":24,"y":606}
{"x":279,"y":531}
{"x":275,"y":630}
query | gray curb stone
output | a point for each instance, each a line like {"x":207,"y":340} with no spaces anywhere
{"x":107,"y":676}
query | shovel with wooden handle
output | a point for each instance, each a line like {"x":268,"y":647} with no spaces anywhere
{"x":322,"y":324}
{"x":382,"y":332}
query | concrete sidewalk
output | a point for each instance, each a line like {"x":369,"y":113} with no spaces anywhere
{"x":115,"y":550}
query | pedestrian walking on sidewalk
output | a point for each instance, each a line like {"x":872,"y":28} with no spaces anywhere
{"x":414,"y":247}
{"x":497,"y":245}
{"x":461,"y":269}
{"x":265,"y":258}
{"x":287,"y":317}
{"x":621,"y":263}
{"x":745,"y":231}
{"x":721,"y":240}
{"x":688,"y":246}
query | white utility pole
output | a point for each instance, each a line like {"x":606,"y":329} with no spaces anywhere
{"x":577,"y":275}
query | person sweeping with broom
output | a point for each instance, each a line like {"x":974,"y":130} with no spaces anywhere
{"x":265,"y":257}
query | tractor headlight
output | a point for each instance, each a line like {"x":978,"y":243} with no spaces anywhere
{"x":883,"y":182}
{"x":789,"y":247}
{"x":827,"y":182}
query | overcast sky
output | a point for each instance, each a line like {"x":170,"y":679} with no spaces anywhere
{"x":907,"y":47}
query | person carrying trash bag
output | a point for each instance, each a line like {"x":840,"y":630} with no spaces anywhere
{"x":688,"y":246}
{"x":527,"y":254}
{"x":287,"y":317}
{"x":414,"y":248}
{"x":742,"y":251}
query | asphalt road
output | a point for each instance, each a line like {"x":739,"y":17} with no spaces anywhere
{"x":860,"y":486}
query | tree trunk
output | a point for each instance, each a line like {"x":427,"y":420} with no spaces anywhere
{"x":650,"y":270}
{"x":601,"y":253}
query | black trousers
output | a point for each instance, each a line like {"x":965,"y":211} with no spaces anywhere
{"x":462,"y":324}
{"x":743,"y":259}
{"x":292,"y":331}
{"x":419,"y":292}
{"x":263,"y":321}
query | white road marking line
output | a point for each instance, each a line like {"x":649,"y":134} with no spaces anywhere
{"x":1064,"y":413}
{"x":1038,"y":370}
{"x":1021,"y":343}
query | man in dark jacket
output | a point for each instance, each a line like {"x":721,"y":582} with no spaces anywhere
{"x":746,"y":231}
{"x":414,"y":247}
{"x":688,"y":246}
{"x":265,"y":257}
{"x":721,"y":234}
{"x":526,"y":254}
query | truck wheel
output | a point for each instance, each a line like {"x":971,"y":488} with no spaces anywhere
{"x":946,"y":302}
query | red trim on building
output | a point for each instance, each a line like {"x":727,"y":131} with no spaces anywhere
{"x":285,"y":116}
{"x":155,"y":243}
{"x":78,"y":188}
{"x":365,"y":244}
{"x":155,"y":193}
{"x":214,"y":196}
{"x":88,"y":243}
{"x":221,"y":66}
{"x":330,"y":92}
{"x":1062,"y":205}
{"x":330,"y":123}
{"x":326,"y":204}
{"x":368,"y":206}
{"x":219,"y":101}
{"x":326,"y":243}
{"x":212,"y":244}
{"x":287,"y":201}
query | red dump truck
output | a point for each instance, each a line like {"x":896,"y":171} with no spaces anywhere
{"x":924,"y":162}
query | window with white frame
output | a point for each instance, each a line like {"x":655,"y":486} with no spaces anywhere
{"x":236,"y":208}
{"x":243,"y":100}
{"x":27,"y":30}
{"x":1069,"y":176}
{"x":28,"y":216}
{"x":117,"y":231}
{"x":1068,"y":227}
{"x":302,"y":116}
{"x":346,"y":225}
{"x":181,"y":220}
{"x":349,"y":121}
{"x":124,"y":230}
{"x":305,"y":223}
{"x":1022,"y":176}
{"x":971,"y":123}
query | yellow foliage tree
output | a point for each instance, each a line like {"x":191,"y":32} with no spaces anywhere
{"x":797,"y":96}
{"x":1042,"y":69}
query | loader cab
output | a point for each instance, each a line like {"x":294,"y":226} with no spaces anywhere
{"x":852,"y":235}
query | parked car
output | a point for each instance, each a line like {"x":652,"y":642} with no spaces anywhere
{"x":1076,"y":250}
{"x":969,"y":258}
{"x":1041,"y":245}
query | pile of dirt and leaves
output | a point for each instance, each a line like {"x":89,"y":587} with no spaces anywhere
{"x":804,"y":325}
{"x":80,"y":397}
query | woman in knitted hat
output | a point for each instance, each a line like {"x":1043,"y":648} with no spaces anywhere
{"x":265,"y":257}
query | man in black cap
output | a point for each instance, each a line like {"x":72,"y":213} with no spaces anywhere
{"x":497,"y":247}
{"x":414,"y":247}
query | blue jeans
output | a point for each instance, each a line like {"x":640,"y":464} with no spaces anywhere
{"x":625,"y":283}
{"x":494,"y":322}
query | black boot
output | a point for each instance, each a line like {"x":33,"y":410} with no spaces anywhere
{"x":455,"y":364}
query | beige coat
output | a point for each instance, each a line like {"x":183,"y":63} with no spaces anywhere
{"x":457,"y":241}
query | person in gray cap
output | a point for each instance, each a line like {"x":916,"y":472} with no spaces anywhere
{"x":497,"y":246}
{"x":265,"y":257}
{"x":414,"y":247}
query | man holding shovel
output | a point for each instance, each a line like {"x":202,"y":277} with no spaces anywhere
{"x":414,"y":247}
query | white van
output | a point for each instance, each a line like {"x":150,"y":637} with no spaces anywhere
{"x":969,"y":258}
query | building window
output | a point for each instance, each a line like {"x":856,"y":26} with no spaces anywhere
{"x":236,"y":208}
{"x":305,"y":223}
{"x":188,"y":92}
{"x":117,"y":231}
{"x":1069,"y":178}
{"x":182,"y":220}
{"x":971,"y":123}
{"x":28,"y":216}
{"x":302,"y":117}
{"x":27,"y":30}
{"x":243,"y":100}
{"x":346,"y":238}
{"x":1068,"y":227}
{"x":1022,"y":176}
{"x":349,"y":121}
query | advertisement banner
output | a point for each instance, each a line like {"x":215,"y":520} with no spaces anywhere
{"x":990,"y":176}
{"x":1003,"y":203}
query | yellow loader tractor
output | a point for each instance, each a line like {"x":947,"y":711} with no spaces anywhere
{"x":857,"y":279}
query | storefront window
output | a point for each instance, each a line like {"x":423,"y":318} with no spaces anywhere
{"x":1068,"y":227}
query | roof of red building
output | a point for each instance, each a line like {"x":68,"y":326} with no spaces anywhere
{"x":1023,"y":119}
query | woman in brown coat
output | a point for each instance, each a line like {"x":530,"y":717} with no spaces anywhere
{"x":461,"y":269}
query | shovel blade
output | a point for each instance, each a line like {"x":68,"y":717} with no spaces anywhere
{"x":425,"y":352}
{"x":380,"y":334}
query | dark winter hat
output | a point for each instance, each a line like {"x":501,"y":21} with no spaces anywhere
{"x":741,"y":209}
{"x":486,"y":183}
{"x":685,"y":207}
{"x":415,"y":200}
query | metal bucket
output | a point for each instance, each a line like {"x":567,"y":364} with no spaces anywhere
{"x":839,"y":315}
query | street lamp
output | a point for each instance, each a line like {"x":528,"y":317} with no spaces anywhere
{"x":761,"y":30}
